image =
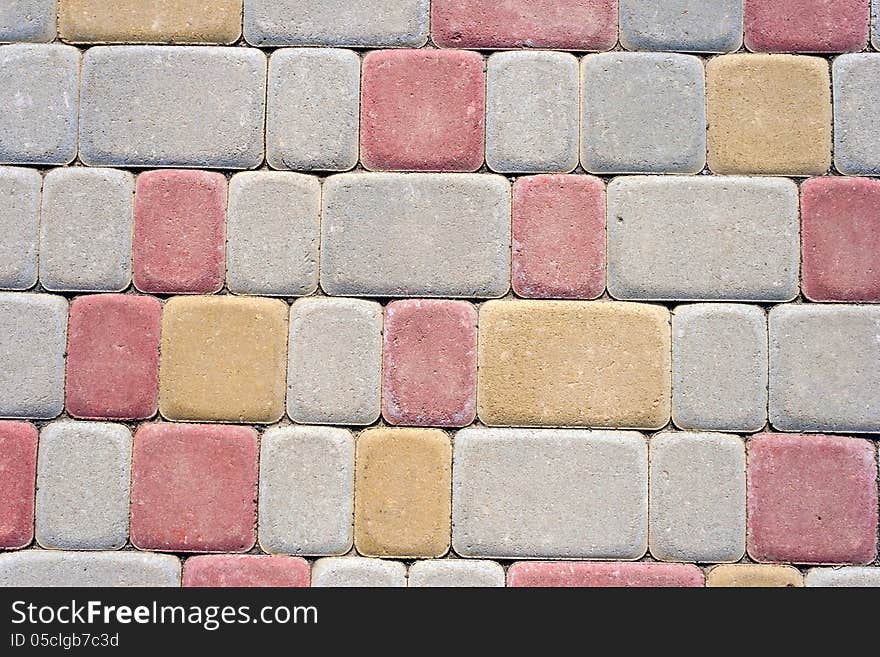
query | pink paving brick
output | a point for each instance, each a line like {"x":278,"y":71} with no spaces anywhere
{"x":423,"y":110}
{"x":113,"y":357}
{"x":246,"y":571}
{"x":812,"y":499}
{"x":429,"y":358}
{"x":592,"y":574}
{"x":559,"y":237}
{"x":194,"y":488}
{"x":841,"y":239}
{"x":179,"y":232}
{"x":806,"y":25}
{"x":18,"y":472}
{"x":550,"y":24}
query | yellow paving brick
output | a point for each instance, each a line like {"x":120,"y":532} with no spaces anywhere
{"x":754,"y":575}
{"x":574,"y":363}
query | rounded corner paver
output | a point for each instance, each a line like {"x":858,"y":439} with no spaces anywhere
{"x":812,"y":26}
{"x":754,"y":576}
{"x":245,"y":571}
{"x":681,"y":25}
{"x":339,"y":572}
{"x":18,"y":463}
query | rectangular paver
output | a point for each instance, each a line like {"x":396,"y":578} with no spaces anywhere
{"x":556,"y":574}
{"x":27,"y":20}
{"x":806,"y":25}
{"x":532,"y":122}
{"x":856,"y":102}
{"x":46,"y":568}
{"x":703,"y":238}
{"x":682,"y":25}
{"x":18,"y":463}
{"x":754,"y":575}
{"x":19,"y":225}
{"x":184,"y":106}
{"x":273,"y":233}
{"x":358,"y":572}
{"x":83,"y":475}
{"x":335,"y":361}
{"x":306,"y":490}
{"x":415,"y":235}
{"x":852,"y":576}
{"x":506,"y":480}
{"x":875,"y":24}
{"x":245,"y":571}
{"x":573,"y":363}
{"x":455,"y":573}
{"x":86,"y":229}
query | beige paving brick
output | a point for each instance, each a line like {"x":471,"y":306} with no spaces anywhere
{"x":754,"y":575}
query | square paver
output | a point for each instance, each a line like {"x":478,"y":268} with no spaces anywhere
{"x":28,"y":20}
{"x":223,"y":359}
{"x":852,"y":576}
{"x":19,"y":225}
{"x":48,"y":568}
{"x":194,"y":488}
{"x":447,"y":573}
{"x":754,"y":575}
{"x":856,"y":113}
{"x":245,"y":571}
{"x":18,"y":464}
{"x":681,"y":25}
{"x":83,"y":475}
{"x":358,"y":572}
{"x":578,"y":575}
{"x":806,"y":25}
{"x":643,"y":113}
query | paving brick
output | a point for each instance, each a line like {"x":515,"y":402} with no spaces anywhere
{"x":185,"y":106}
{"x":312,"y":120}
{"x":558,"y":237}
{"x":719,"y":367}
{"x":569,"y":363}
{"x":643,"y":113}
{"x":556,"y":574}
{"x":402,"y":499}
{"x":85,"y":230}
{"x":335,"y":368}
{"x":194,"y":488}
{"x":33,"y":336}
{"x":45,"y":568}
{"x":396,"y":235}
{"x":505,"y":480}
{"x":812,"y":499}
{"x":40,"y":88}
{"x":806,"y":25}
{"x":245,"y":571}
{"x":681,"y":25}
{"x":703,"y":238}
{"x":429,"y":363}
{"x":18,"y":464}
{"x":113,"y":357}
{"x":551,"y":24}
{"x":273,"y":231}
{"x":840,"y":225}
{"x":698,"y":497}
{"x":27,"y":20}
{"x":856,"y":113}
{"x":754,"y":575}
{"x":455,"y":573}
{"x":875,"y":24}
{"x":223,"y":359}
{"x":157,"y":21}
{"x":83,"y":474}
{"x":19,"y":225}
{"x":423,"y":110}
{"x":357,"y":572}
{"x":769,"y":114}
{"x":336,"y":23}
{"x":179,"y":232}
{"x":825,"y":368}
{"x":844,"y":577}
{"x":306,"y":490}
{"x":532,"y":112}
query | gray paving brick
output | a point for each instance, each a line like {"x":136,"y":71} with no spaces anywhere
{"x":703,"y":238}
{"x":698,"y":497}
{"x":312,"y":113}
{"x":27,"y":20}
{"x":643,"y":113}
{"x":273,"y":232}
{"x":86,"y":230}
{"x":335,"y":361}
{"x":851,"y":576}
{"x":357,"y":572}
{"x":719,"y":367}
{"x":44,"y":568}
{"x":681,"y":25}
{"x":825,"y":368}
{"x":856,"y":83}
{"x":875,"y":24}
{"x":532,"y":122}
{"x":173,"y":106}
{"x":306,"y":503}
{"x":19,"y":225}
{"x":455,"y":573}
{"x":83,"y":475}
{"x":336,"y":22}
{"x":33,"y":339}
{"x":40,"y":87}
{"x":430,"y":235}
{"x":504,"y":481}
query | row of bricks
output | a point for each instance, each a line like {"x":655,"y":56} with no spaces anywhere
{"x":520,"y":112}
{"x":425,"y":363}
{"x":277,"y":233}
{"x":413,"y":493}
{"x":686,"y":25}
{"x":43,"y":568}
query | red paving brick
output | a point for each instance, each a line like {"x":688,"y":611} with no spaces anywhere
{"x":594,"y":574}
{"x":245,"y":571}
{"x":18,"y":472}
{"x":806,"y":25}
